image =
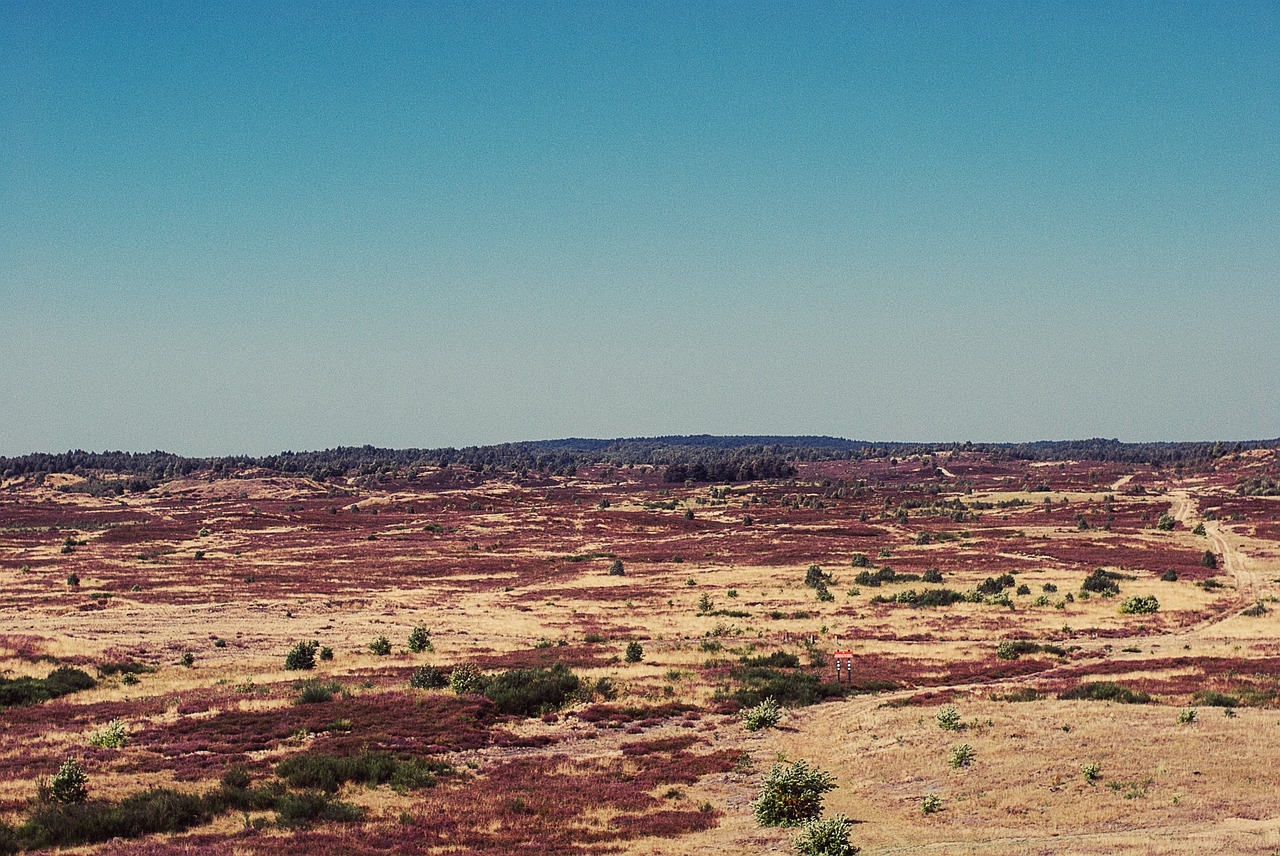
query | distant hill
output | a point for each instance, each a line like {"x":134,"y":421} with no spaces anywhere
{"x":700,"y":457}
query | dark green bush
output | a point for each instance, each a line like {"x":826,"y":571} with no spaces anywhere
{"x":789,"y":688}
{"x":427,"y":678}
{"x":1169,"y":576}
{"x":380,"y":646}
{"x":1212,"y":698}
{"x":777,"y":660}
{"x":933,"y":575}
{"x":635,"y":652}
{"x":995,"y":585}
{"x":792,"y":794}
{"x":1106,"y":691}
{"x":294,"y":810}
{"x":420,"y":640}
{"x":814,"y":577}
{"x":301,"y":657}
{"x":1101,"y":582}
{"x":532,"y":692}
{"x":317,"y":692}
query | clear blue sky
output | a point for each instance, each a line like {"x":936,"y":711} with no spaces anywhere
{"x":249,"y":227}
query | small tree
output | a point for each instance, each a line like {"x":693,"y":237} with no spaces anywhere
{"x":828,"y":837}
{"x":792,"y":794}
{"x":635,"y":653}
{"x":380,"y":646}
{"x":420,"y":640}
{"x":764,"y":715}
{"x":1165,"y":523}
{"x":616,"y":569}
{"x":301,"y":657}
{"x":1209,"y":560}
{"x":466,"y":678}
{"x":704,"y":604}
{"x":70,"y":785}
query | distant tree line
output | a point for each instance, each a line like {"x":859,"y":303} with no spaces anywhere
{"x":683,"y":458}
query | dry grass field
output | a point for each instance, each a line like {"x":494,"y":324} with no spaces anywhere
{"x":1094,"y":728}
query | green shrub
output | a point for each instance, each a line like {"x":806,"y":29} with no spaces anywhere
{"x":594,"y":638}
{"x":961,"y":756}
{"x":420,"y":640}
{"x":1106,"y":691}
{"x":112,"y":736}
{"x":427,"y":678}
{"x":380,"y":646}
{"x":828,"y":837}
{"x":15,"y":692}
{"x":1166,"y":523}
{"x":69,"y":784}
{"x":1209,"y":560}
{"x":1258,"y":610}
{"x":949,"y":719}
{"x":1049,"y":588}
{"x":325,"y":772}
{"x":1169,"y":576}
{"x":1138,"y":605}
{"x":467,"y":678}
{"x":316,"y":692}
{"x":792,"y":794}
{"x":764,"y":715}
{"x":814,"y":577}
{"x":1199,"y":530}
{"x":616,"y":569}
{"x":187,"y":659}
{"x":930,"y":804}
{"x":1023,"y":589}
{"x":1188,"y":716}
{"x":791,"y":688}
{"x":860,"y":560}
{"x":326,"y":653}
{"x":301,"y":657}
{"x":1091,"y":771}
{"x":932,"y":575}
{"x":73,"y":579}
{"x":1101,"y":582}
{"x":294,"y":810}
{"x":635,"y":652}
{"x":775,"y":660}
{"x":532,"y":692}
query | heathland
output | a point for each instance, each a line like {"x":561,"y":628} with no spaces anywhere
{"x":630,"y":648}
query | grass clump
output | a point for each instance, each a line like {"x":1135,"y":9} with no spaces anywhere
{"x":1106,"y":691}
{"x":316,"y":692}
{"x":792,"y":794}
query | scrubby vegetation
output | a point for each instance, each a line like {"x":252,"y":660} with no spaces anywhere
{"x":792,"y":794}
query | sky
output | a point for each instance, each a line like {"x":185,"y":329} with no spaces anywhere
{"x":242,"y":228}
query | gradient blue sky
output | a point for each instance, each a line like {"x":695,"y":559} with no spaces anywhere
{"x":249,"y":227}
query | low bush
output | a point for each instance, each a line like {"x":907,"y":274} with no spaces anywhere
{"x":961,"y":756}
{"x":532,"y":692}
{"x":16,"y":692}
{"x":316,"y":692}
{"x":380,"y":646}
{"x":427,"y":678}
{"x":616,"y":569}
{"x":112,"y":736}
{"x":828,"y":837}
{"x":792,"y":794}
{"x":860,"y":560}
{"x":996,"y":585}
{"x":1258,"y":610}
{"x":70,"y":784}
{"x":634,"y":652}
{"x":1091,"y":771}
{"x":775,"y":660}
{"x":1101,"y":582}
{"x":1212,"y":698}
{"x":791,"y":688}
{"x":930,"y":804}
{"x":1186,"y":717}
{"x":1169,"y":576}
{"x":1105,"y":691}
{"x":321,"y":771}
{"x":933,"y":575}
{"x":420,"y":640}
{"x":301,"y":657}
{"x":467,"y":678}
{"x":949,"y":719}
{"x":764,"y":715}
{"x":293,"y":810}
{"x":1139,"y":605}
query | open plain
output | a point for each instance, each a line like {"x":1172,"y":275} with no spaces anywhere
{"x":1132,"y":710}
